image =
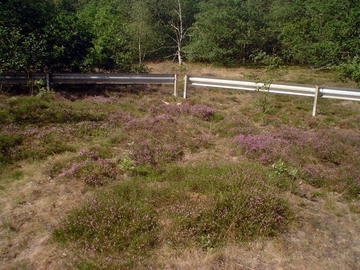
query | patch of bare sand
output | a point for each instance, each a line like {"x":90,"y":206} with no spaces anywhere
{"x":30,"y":209}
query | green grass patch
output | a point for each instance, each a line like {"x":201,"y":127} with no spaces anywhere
{"x":37,"y":110}
{"x":204,"y":206}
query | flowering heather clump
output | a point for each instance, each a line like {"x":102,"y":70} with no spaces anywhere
{"x":295,"y":144}
{"x":238,"y":214}
{"x":8,"y":144}
{"x":317,"y":175}
{"x":220,"y":204}
{"x":119,"y":221}
{"x":183,"y":108}
{"x":143,"y":153}
{"x":200,"y":111}
{"x":92,"y":169}
{"x":267,"y":147}
{"x":317,"y":154}
{"x":151,"y":152}
{"x":148,"y":122}
{"x":225,"y":202}
{"x":322,"y":144}
{"x":39,"y":143}
{"x":98,"y":99}
{"x":97,"y":172}
{"x":119,"y":116}
{"x":200,"y":141}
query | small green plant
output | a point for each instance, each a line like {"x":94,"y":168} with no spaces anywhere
{"x":283,"y":176}
{"x":263,"y":103}
{"x":280,"y":168}
{"x":206,"y":243}
{"x":126,"y":163}
{"x":43,"y":92}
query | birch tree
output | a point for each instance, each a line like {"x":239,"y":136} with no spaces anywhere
{"x":180,"y":32}
{"x":140,"y":29}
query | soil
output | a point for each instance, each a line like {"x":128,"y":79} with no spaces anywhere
{"x":30,"y":209}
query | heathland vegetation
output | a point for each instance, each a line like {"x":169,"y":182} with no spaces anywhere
{"x":134,"y":178}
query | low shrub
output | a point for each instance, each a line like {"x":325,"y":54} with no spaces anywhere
{"x":7,"y":145}
{"x":205,"y":206}
{"x":94,"y":167}
{"x":40,"y":111}
{"x":119,"y":223}
{"x":315,"y":154}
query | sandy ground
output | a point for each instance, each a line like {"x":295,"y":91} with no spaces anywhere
{"x":30,"y":209}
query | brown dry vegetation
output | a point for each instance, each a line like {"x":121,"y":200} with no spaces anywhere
{"x":326,"y":234}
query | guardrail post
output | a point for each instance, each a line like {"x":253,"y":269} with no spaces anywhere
{"x":47,"y":82}
{"x":317,"y":88}
{"x":185,"y":85}
{"x":175,"y":85}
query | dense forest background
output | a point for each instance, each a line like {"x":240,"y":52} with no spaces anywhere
{"x":118,"y":35}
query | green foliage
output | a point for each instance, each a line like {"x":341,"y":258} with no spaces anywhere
{"x":350,"y":71}
{"x":23,"y":22}
{"x":202,"y":206}
{"x":283,"y":176}
{"x":316,"y":32}
{"x":280,"y":168}
{"x":237,"y":34}
{"x":270,"y":62}
{"x":141,"y":29}
{"x":68,"y":48}
{"x":113,"y":35}
{"x":110,"y":49}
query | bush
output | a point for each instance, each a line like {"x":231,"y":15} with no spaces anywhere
{"x":350,"y":70}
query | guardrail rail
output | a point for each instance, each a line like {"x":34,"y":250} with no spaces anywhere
{"x":276,"y":88}
{"x":91,"y":78}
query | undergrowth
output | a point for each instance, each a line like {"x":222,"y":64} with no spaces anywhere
{"x":186,"y":174}
{"x":220,"y":204}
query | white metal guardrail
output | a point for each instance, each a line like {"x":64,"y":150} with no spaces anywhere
{"x":91,"y":78}
{"x":128,"y":78}
{"x":297,"y":90}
